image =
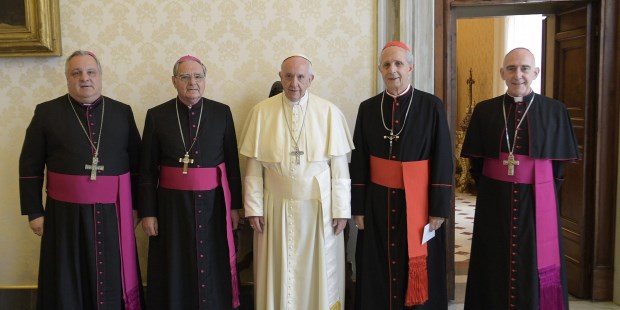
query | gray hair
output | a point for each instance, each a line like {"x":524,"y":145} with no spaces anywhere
{"x":82,"y":53}
{"x":408,"y":57}
{"x":175,"y":69}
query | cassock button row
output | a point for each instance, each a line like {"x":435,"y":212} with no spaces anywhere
{"x":395,"y":296}
{"x":393,"y":156}
{"x":393,"y":210}
{"x":515,"y":200}
{"x":396,"y":121}
{"x":393,"y":192}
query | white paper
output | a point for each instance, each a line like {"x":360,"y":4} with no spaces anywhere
{"x":428,"y":234}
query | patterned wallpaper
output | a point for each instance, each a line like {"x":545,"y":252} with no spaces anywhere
{"x":242,"y":44}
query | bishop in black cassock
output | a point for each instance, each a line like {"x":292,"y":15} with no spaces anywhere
{"x":190,"y":192}
{"x":88,"y":258}
{"x":506,"y":270}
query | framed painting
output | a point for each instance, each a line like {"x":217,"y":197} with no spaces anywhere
{"x":29,"y":28}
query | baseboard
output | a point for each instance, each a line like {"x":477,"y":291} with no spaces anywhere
{"x":18,"y":297}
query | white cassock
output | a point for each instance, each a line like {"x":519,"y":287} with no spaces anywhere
{"x":298,"y":261}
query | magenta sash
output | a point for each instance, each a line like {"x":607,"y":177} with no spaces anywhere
{"x":538,"y":172}
{"x":204,"y":179}
{"x":106,"y":189}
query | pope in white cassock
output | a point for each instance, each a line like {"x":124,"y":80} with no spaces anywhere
{"x":297,"y":194}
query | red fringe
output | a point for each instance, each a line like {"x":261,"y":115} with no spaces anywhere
{"x":417,"y":288}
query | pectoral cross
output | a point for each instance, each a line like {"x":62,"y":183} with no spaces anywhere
{"x":391,"y":137}
{"x":297,"y":153}
{"x":511,"y":163}
{"x":186,"y":160}
{"x":93,"y":168}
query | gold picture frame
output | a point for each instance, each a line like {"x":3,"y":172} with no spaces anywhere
{"x":30,"y":30}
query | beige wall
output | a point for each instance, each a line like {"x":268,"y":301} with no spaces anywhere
{"x":241,"y":42}
{"x":475,"y":46}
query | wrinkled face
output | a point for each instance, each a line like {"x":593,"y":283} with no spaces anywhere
{"x":296,"y":77}
{"x":83,"y":79}
{"x":519,"y":71}
{"x":395,"y":69}
{"x":189,"y":82}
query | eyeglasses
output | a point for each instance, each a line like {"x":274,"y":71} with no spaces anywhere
{"x":188,"y":77}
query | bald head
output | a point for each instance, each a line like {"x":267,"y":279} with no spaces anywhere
{"x":518,"y":71}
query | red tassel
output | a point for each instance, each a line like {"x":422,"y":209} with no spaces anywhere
{"x":417,"y":288}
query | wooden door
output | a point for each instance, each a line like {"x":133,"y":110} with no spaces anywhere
{"x":574,"y":84}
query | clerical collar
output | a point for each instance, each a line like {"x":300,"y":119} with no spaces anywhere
{"x":87,"y":105}
{"x":396,"y":96}
{"x":302,"y":102}
{"x":189,"y":107}
{"x":522,"y":99}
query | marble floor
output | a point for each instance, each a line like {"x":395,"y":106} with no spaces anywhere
{"x":464,"y":215}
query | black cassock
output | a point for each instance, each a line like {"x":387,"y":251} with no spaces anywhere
{"x":503,"y":267}
{"x":188,"y":265}
{"x":71,"y":272}
{"x":381,"y":254}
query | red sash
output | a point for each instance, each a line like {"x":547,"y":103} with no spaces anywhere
{"x":413,"y":178}
{"x":204,"y":179}
{"x":539,"y":173}
{"x":105,"y":189}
